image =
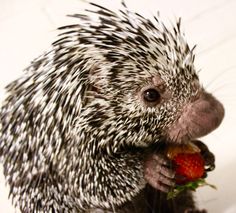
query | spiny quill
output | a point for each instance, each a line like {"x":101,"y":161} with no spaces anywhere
{"x":82,"y":128}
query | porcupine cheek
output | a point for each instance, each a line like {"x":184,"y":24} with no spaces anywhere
{"x":198,"y":118}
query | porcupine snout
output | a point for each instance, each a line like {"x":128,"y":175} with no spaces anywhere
{"x":198,"y":118}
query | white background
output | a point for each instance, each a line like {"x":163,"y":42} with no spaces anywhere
{"x":27,"y":28}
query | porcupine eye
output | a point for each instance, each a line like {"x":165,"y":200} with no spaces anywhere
{"x":151,"y":96}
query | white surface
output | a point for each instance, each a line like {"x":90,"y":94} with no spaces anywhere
{"x":28,"y":27}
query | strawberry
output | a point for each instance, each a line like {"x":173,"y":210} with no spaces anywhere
{"x":189,"y":167}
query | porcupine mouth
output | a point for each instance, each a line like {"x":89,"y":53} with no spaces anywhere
{"x":197,"y":119}
{"x":181,"y":138}
{"x":182,"y":133}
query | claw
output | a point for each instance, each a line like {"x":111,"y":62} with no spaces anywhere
{"x":207,"y":155}
{"x":210,"y":168}
{"x":168,"y":173}
{"x":158,"y":173}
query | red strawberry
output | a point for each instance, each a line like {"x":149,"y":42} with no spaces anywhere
{"x":188,"y":165}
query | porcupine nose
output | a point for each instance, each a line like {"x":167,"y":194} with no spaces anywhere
{"x":198,"y":118}
{"x":206,"y":114}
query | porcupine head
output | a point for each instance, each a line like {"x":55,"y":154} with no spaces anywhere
{"x":76,"y":127}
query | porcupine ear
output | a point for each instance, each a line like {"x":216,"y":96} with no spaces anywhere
{"x":81,"y":62}
{"x":95,"y":79}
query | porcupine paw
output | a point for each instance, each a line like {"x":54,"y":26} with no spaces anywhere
{"x":195,"y":211}
{"x":158,"y":172}
{"x":207,"y":155}
{"x":209,"y":160}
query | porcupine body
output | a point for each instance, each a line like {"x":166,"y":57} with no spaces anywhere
{"x":74,"y":130}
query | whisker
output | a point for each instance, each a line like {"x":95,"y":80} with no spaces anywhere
{"x":216,"y":44}
{"x":221,"y":87}
{"x":189,"y":133}
{"x":177,"y":136}
{"x":220,"y":74}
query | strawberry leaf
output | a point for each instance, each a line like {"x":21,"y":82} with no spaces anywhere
{"x":193,"y":185}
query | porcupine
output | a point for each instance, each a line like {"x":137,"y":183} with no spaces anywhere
{"x":84,"y":129}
